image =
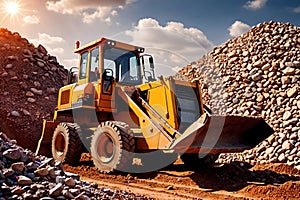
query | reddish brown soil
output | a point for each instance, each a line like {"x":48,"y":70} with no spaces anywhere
{"x":279,"y":168}
{"x":228,"y":181}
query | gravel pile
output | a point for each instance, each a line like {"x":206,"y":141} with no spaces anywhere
{"x":26,"y":176}
{"x":29,"y":81}
{"x":257,"y":74}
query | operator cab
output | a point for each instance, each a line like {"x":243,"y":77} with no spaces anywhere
{"x":110,"y":60}
{"x":123,"y":64}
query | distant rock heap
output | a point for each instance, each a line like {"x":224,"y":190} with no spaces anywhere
{"x":257,"y":74}
{"x":29,"y":81}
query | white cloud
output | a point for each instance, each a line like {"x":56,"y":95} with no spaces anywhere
{"x":44,"y":38}
{"x":238,"y":28}
{"x":31,"y":19}
{"x":171,"y":45}
{"x":255,"y":4}
{"x":114,"y":13}
{"x":70,"y":62}
{"x":51,"y":43}
{"x":108,"y":20}
{"x":89,"y":10}
{"x":297,"y":9}
{"x":57,"y":50}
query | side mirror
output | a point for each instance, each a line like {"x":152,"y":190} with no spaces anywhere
{"x":108,"y":74}
{"x":73,"y":75}
{"x":151,"y":62}
{"x":148,"y":69}
{"x":108,"y":78}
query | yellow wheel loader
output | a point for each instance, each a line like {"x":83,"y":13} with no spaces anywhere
{"x":115,"y":108}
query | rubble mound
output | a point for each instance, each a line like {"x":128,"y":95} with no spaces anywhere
{"x":26,"y":176}
{"x":30,"y":80}
{"x":257,"y":74}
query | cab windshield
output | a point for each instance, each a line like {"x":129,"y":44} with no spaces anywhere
{"x":124,"y":65}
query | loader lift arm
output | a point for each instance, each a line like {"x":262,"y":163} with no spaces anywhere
{"x":159,"y":123}
{"x":149,"y":126}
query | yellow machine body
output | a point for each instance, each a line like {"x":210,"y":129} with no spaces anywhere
{"x":164,"y":114}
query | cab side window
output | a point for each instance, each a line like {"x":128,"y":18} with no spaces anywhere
{"x":94,"y":62}
{"x":83,"y":65}
{"x":109,"y":64}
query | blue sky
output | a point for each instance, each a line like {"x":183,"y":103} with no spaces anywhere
{"x":176,"y":32}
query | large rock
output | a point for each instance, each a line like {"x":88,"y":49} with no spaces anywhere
{"x":23,"y":180}
{"x":56,"y":191}
{"x":19,"y":166}
{"x":13,"y":154}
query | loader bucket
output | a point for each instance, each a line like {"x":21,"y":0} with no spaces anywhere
{"x":44,"y":143}
{"x":220,"y":134}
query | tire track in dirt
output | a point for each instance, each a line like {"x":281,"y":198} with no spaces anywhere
{"x":228,"y":181}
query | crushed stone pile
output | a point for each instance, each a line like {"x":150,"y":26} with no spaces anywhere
{"x":257,"y":74}
{"x":29,"y":81}
{"x":26,"y":176}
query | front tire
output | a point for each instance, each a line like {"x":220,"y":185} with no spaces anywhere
{"x":112,"y":147}
{"x":66,"y":145}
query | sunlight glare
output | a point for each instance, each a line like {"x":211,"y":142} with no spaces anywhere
{"x":12,"y":8}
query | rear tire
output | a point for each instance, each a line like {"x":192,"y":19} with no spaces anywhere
{"x":195,"y":162}
{"x":66,"y":145}
{"x":112,"y":147}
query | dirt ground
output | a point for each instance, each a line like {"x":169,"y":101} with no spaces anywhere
{"x":223,"y":181}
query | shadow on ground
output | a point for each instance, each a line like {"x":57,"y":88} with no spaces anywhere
{"x":230,"y":177}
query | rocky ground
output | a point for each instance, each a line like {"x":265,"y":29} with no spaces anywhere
{"x":26,"y":176}
{"x":257,"y":74}
{"x":29,"y":81}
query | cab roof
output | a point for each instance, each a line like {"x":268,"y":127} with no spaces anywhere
{"x":109,"y":42}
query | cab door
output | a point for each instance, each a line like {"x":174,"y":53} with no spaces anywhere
{"x":107,"y":82}
{"x":83,"y":73}
{"x":78,"y":92}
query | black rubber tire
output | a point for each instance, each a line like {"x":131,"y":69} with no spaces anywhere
{"x":66,"y":145}
{"x":193,"y":161}
{"x":112,"y":147}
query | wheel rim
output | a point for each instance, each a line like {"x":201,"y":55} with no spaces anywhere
{"x":60,"y":144}
{"x":105,"y":148}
